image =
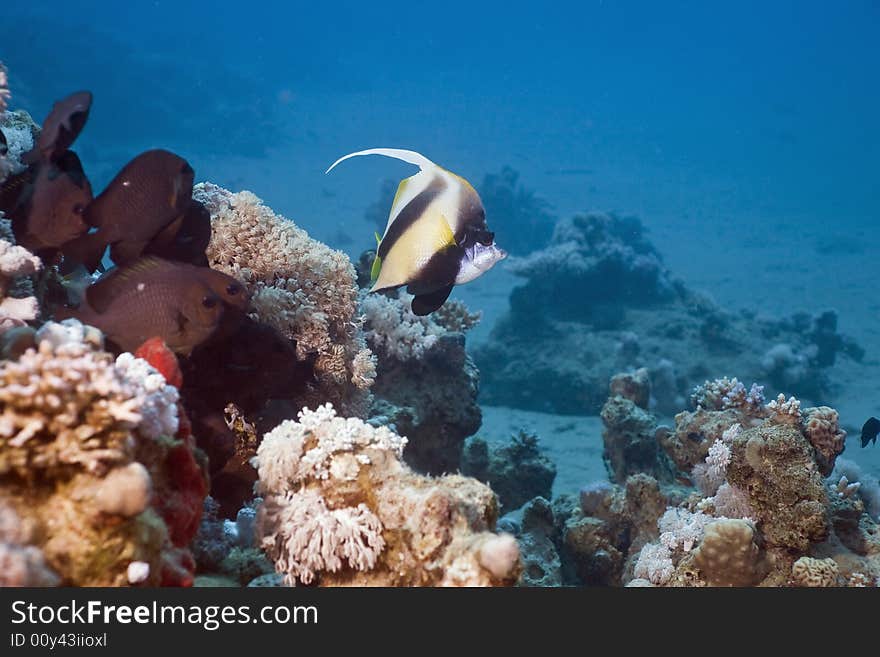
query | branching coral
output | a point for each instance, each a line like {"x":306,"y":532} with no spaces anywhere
{"x":340,"y":508}
{"x":455,"y":316}
{"x":393,"y":331}
{"x":301,"y":287}
{"x":722,"y":394}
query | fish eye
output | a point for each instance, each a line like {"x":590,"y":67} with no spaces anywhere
{"x":79,"y":208}
{"x":209,"y":302}
{"x":233,"y":289}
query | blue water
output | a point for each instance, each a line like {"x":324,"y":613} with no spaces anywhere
{"x":746,"y":134}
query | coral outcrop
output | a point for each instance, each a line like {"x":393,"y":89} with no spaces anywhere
{"x":426,"y":384}
{"x":341,"y":508}
{"x":598,"y":300}
{"x":763,"y":514}
{"x":91,"y":458}
{"x":299,"y":286}
{"x":516,"y":471}
{"x":630,"y":435}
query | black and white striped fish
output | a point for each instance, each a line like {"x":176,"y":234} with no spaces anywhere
{"x":436,"y":236}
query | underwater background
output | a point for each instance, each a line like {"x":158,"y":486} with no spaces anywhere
{"x":743,"y":137}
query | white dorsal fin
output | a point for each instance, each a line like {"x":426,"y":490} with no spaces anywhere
{"x":397,"y":153}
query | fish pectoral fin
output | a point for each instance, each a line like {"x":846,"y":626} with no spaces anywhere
{"x":445,"y":236}
{"x":425,"y":304}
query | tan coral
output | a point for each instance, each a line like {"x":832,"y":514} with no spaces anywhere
{"x":814,"y":573}
{"x":822,"y":429}
{"x":83,"y":443}
{"x":365,"y":518}
{"x":728,"y":555}
{"x":301,"y":287}
{"x":455,"y":316}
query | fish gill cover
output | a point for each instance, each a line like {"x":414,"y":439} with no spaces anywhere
{"x":196,"y":389}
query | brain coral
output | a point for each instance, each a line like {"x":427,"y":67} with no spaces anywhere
{"x":341,"y":508}
{"x":299,"y":286}
{"x":811,"y":572}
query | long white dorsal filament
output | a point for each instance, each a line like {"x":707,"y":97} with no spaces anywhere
{"x":397,"y":153}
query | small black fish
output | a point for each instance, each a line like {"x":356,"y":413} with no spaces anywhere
{"x":4,"y":147}
{"x":870,"y":430}
{"x":61,"y":128}
{"x":186,"y":238}
{"x":49,"y":210}
{"x":149,"y":193}
{"x":180,"y":303}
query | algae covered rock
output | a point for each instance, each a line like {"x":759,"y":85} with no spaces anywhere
{"x":774,"y":464}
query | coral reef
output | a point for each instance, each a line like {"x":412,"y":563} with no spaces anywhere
{"x":392,"y":330}
{"x":598,"y":300}
{"x":630,"y":435}
{"x":515,"y":471}
{"x":299,"y":286}
{"x":762,"y":504}
{"x":507,"y":201}
{"x":91,"y":455}
{"x":341,"y":508}
{"x":426,"y":384}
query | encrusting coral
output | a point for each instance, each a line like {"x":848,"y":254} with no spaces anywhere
{"x":93,"y":460}
{"x":299,"y":286}
{"x":341,"y":508}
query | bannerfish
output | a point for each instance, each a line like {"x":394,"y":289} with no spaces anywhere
{"x":49,"y":210}
{"x":186,"y":238}
{"x":436,"y":236}
{"x":61,"y":128}
{"x":152,"y":297}
{"x":870,"y":430}
{"x":146,"y":196}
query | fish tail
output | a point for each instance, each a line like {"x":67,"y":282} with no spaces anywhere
{"x":397,"y":153}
